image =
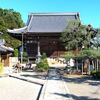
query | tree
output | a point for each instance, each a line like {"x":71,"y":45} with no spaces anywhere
{"x":96,"y":41}
{"x":68,"y":55}
{"x":91,"y":55}
{"x":77,"y":35}
{"x":10,"y":19}
{"x":16,"y":52}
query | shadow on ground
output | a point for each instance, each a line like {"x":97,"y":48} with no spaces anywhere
{"x":39,"y":75}
{"x":78,"y":78}
{"x":82,"y":79}
{"x":74,"y":97}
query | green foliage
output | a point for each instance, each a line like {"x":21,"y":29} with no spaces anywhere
{"x":77,"y":35}
{"x":16,"y":52}
{"x":10,"y":41}
{"x":96,"y":74}
{"x":10,"y":19}
{"x":96,"y":41}
{"x":69,"y":55}
{"x":1,"y":67}
{"x":89,"y":53}
{"x":83,"y":54}
{"x":25,"y":54}
{"x":44,"y":56}
{"x":42,"y":66}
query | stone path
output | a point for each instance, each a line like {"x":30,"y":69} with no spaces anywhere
{"x":55,"y":88}
{"x":27,"y":86}
{"x":15,"y":89}
{"x":29,"y":76}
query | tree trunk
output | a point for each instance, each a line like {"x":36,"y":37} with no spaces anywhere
{"x":97,"y":64}
{"x":93,"y":64}
{"x":86,"y":66}
{"x":76,"y":65}
{"x":82,"y":67}
{"x":89,"y":68}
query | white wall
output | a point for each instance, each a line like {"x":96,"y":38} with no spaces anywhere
{"x":12,"y":61}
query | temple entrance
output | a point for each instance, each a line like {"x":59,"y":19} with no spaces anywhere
{"x":31,"y":49}
{"x":49,"y":45}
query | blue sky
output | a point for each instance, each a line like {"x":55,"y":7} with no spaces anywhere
{"x":89,"y":9}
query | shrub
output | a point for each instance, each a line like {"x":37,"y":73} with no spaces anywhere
{"x":42,"y":66}
{"x":16,"y":52}
{"x":95,"y":74}
{"x":1,"y":67}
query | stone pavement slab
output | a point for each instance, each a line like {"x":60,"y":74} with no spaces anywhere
{"x":55,"y":90}
{"x":28,"y":76}
{"x":55,"y":87}
{"x":15,"y":89}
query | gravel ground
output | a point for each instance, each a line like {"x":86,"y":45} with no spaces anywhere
{"x":15,"y":89}
{"x":83,"y":88}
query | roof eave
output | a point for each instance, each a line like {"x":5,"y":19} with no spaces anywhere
{"x":20,"y":30}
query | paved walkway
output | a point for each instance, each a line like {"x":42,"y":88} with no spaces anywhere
{"x":29,"y":76}
{"x":21,"y":86}
{"x":15,"y":89}
{"x":55,"y":88}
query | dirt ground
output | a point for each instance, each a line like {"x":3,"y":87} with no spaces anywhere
{"x":82,"y":87}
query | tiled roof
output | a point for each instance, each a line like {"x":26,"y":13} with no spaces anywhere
{"x":50,"y":22}
{"x":46,"y":22}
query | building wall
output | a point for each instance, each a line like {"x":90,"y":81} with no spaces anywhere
{"x":5,"y":59}
{"x":49,"y":43}
{"x":13,"y":61}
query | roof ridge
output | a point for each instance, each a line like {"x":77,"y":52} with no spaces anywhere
{"x":55,"y":13}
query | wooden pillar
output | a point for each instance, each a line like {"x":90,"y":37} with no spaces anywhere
{"x":77,"y":65}
{"x":93,"y":64}
{"x":97,"y":64}
{"x":89,"y":68}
